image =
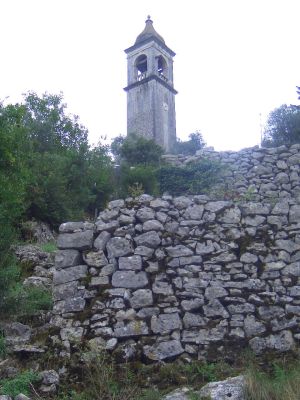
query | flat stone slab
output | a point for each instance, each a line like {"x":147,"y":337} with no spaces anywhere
{"x":141,"y":298}
{"x":129,"y":279}
{"x":163,"y":350}
{"x":67,"y":258}
{"x":179,"y":251}
{"x":165,"y":323}
{"x":70,"y":227}
{"x":133,"y":328}
{"x":70,"y":305}
{"x":149,"y":239}
{"x":131,"y":263}
{"x":70,"y":274}
{"x":77,"y":240}
{"x":231,"y":388}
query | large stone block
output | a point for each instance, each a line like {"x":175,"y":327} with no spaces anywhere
{"x":152,"y":225}
{"x":165,"y":323}
{"x":144,"y":214}
{"x":149,"y":239}
{"x":217,"y":206}
{"x":69,"y":274}
{"x":129,"y":279}
{"x":77,"y":240}
{"x":101,"y":240}
{"x":131,"y":263}
{"x":133,"y":328}
{"x":231,"y":388}
{"x":163,"y":350}
{"x":66,"y":290}
{"x":73,"y":304}
{"x":194,"y":212}
{"x":141,"y":298}
{"x":252,"y":208}
{"x":95,"y":259}
{"x":253,"y":327}
{"x":119,"y":247}
{"x":294,"y":215}
{"x":281,"y":342}
{"x":67,"y":258}
{"x":71,"y":227}
{"x":179,"y":251}
{"x":215,"y":309}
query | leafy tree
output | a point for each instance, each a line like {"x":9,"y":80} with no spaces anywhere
{"x":136,"y":150}
{"x":116,"y":145}
{"x":283,"y":126}
{"x":49,"y":127}
{"x":48,"y":170}
{"x":14,"y":173}
{"x":189,"y":147}
{"x":68,"y":178}
{"x":99,"y":176}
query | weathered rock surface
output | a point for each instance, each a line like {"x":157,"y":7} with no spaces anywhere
{"x":231,"y":388}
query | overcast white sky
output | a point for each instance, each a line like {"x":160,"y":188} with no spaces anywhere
{"x":236,"y":59}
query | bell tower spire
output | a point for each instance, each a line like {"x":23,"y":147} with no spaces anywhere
{"x":150,"y":88}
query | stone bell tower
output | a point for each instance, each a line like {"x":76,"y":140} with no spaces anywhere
{"x":150,"y":90}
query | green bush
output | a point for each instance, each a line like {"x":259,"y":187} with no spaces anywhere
{"x":195,"y":178}
{"x":189,"y":147}
{"x":19,"y":301}
{"x":20,"y":384}
{"x":142,"y":177}
{"x":2,"y":346}
{"x":10,"y":274}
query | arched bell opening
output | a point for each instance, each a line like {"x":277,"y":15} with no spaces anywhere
{"x":162,"y":68}
{"x":141,"y":67}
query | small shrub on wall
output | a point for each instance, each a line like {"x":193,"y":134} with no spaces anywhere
{"x":140,"y":177}
{"x":195,"y":178}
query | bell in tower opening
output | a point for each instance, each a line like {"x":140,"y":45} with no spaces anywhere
{"x":150,"y":89}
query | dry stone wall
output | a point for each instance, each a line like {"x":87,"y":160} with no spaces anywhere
{"x":155,"y":278}
{"x":254,"y":173}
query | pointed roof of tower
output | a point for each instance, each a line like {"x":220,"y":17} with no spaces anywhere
{"x":148,"y":33}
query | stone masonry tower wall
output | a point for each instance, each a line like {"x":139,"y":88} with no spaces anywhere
{"x":154,"y":279}
{"x":150,"y":91}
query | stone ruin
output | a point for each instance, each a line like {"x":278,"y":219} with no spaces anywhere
{"x":155,"y":278}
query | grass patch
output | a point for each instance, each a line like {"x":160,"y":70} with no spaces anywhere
{"x":35,"y":300}
{"x":49,"y":247}
{"x":280,"y":381}
{"x":20,"y":384}
{"x":103,"y":379}
{"x":19,"y":301}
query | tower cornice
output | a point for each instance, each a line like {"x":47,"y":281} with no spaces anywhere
{"x":148,"y":79}
{"x":152,"y":39}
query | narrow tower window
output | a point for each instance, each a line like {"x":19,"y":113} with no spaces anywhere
{"x":162,"y":68}
{"x":141,"y":67}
